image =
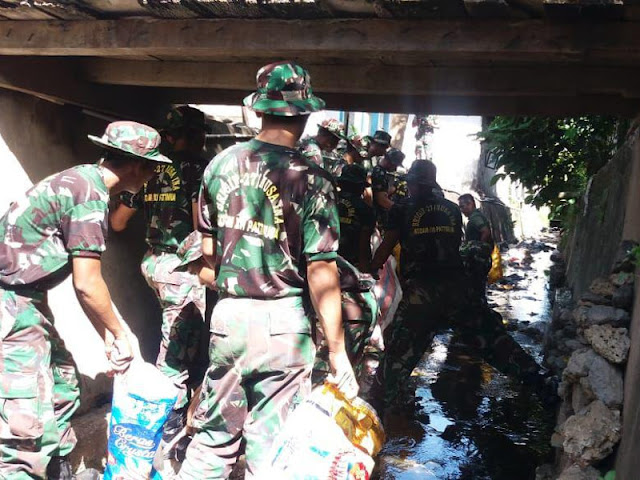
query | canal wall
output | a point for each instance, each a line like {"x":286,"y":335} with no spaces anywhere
{"x":609,"y":214}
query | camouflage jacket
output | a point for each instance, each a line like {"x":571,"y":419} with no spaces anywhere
{"x":270,"y":211}
{"x":477,"y":221}
{"x":312,"y":151}
{"x":167,"y":200}
{"x":379,"y":180}
{"x":63,"y":216}
{"x":430,"y":231}
{"x":355,"y":215}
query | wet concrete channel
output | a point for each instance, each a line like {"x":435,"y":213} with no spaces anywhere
{"x":470,"y":421}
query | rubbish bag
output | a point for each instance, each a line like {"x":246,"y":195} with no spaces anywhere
{"x":496,"y":272}
{"x":142,"y":400}
{"x":327,"y":437}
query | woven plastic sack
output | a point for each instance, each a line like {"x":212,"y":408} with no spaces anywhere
{"x":496,"y":272}
{"x":142,"y":400}
{"x":327,"y":437}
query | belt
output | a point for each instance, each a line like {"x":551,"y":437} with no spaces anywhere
{"x":157,"y":249}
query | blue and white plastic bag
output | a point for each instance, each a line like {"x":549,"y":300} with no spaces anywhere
{"x":142,"y":400}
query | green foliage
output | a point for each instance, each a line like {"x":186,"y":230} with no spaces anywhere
{"x":611,"y":475}
{"x":635,"y":253}
{"x":552,"y":157}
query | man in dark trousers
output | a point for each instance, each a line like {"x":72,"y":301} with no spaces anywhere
{"x":436,"y":293}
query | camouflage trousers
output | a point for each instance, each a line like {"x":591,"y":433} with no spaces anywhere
{"x":359,"y":315}
{"x":261,"y":354}
{"x":433,"y":305}
{"x":476,"y":257}
{"x":39,"y":387}
{"x":182,"y":299}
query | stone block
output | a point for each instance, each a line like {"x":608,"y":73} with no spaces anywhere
{"x":602,"y":287}
{"x":612,"y":343}
{"x":623,"y":297}
{"x":576,"y":472}
{"x":591,"y":434}
{"x":585,"y":316}
{"x":580,"y":397}
{"x":599,"y":378}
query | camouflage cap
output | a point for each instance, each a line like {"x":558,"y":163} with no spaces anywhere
{"x":382,"y":138}
{"x":284,"y":89}
{"x":131,"y":139}
{"x":422,"y":172}
{"x":360,"y":144}
{"x":353,"y":173}
{"x":185,"y":116}
{"x":334,"y":127}
{"x":394,"y":156}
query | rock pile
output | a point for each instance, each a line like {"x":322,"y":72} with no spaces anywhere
{"x":587,"y":347}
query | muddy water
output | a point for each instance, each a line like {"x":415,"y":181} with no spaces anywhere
{"x":470,"y":421}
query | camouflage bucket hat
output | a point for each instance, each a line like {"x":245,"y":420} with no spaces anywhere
{"x":185,"y":116}
{"x":189,"y":250}
{"x":284,"y":89}
{"x":334,"y":127}
{"x":360,"y":144}
{"x":382,"y":138}
{"x":131,"y":139}
{"x":353,"y":174}
{"x":395,"y":156}
{"x":422,"y":172}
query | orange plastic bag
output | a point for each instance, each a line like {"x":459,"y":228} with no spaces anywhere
{"x":496,"y":272}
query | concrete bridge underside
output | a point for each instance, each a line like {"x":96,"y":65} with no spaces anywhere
{"x":452,"y":66}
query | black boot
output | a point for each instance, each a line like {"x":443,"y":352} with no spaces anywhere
{"x":59,"y":468}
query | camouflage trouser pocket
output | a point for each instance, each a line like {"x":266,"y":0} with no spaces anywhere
{"x":20,"y":407}
{"x":290,"y":342}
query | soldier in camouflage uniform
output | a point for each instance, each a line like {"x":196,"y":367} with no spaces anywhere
{"x":271,"y":230}
{"x":359,"y":306}
{"x":380,"y":183}
{"x":169,"y":201}
{"x":59,"y":228}
{"x":380,"y":143}
{"x":436,"y":294}
{"x":356,"y":153}
{"x":320,"y":149}
{"x":476,"y":250}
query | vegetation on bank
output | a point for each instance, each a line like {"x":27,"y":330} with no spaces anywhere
{"x":552,"y":157}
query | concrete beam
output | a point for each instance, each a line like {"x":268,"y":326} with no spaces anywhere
{"x":484,"y":42}
{"x":58,"y":82}
{"x":377,"y":78}
{"x":440,"y":104}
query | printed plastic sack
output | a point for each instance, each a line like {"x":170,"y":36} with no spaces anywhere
{"x":327,"y":437}
{"x":142,"y":400}
{"x":496,"y":272}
